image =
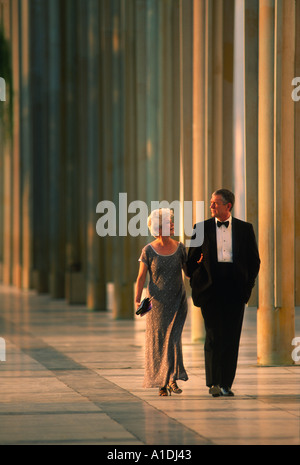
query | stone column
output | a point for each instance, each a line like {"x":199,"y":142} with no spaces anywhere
{"x":286,"y":170}
{"x":219,"y":20}
{"x":39,"y":83}
{"x":266,"y":311}
{"x":75,"y":280}
{"x":198,"y":171}
{"x":56,"y":156}
{"x":251,"y":127}
{"x":82,"y":129}
{"x":106,"y":125}
{"x":168,"y":156}
{"x":297,"y":159}
{"x":16,"y":210}
{"x":153,"y":103}
{"x":123,"y":114}
{"x":186,"y":99}
{"x":141,"y":105}
{"x":275,"y":317}
{"x":7,"y":165}
{"x":26,"y":148}
{"x":216,"y":49}
{"x":96,"y":291}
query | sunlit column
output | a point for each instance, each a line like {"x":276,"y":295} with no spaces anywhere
{"x":26,"y":149}
{"x":275,"y":317}
{"x":198,"y":171}
{"x":265,"y":316}
{"x":297,"y":160}
{"x":239,"y":112}
{"x":285,"y":195}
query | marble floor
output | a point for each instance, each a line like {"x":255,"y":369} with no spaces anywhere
{"x":74,"y":377}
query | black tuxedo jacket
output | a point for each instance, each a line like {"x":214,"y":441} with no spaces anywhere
{"x":246,"y":262}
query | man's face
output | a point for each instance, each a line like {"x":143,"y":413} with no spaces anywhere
{"x":218,"y":209}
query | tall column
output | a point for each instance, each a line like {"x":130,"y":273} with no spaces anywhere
{"x":118,"y":152}
{"x":153,"y":103}
{"x":239,"y":112}
{"x":275,"y":317}
{"x":228,"y":46}
{"x":16,"y":211}
{"x":125,"y":253}
{"x":265,"y":315}
{"x":56,"y":156}
{"x":7,"y":166}
{"x":141,"y":102}
{"x":96,"y":291}
{"x":39,"y":80}
{"x":168,"y":157}
{"x":106,"y":124}
{"x":216,"y":48}
{"x":286,"y":275}
{"x":219,"y":20}
{"x":186,"y":99}
{"x":297,"y":160}
{"x":82,"y":127}
{"x":26,"y":148}
{"x":198,"y":172}
{"x":251,"y":127}
{"x":75,"y":280}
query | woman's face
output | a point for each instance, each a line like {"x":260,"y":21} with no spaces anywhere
{"x":167,"y":228}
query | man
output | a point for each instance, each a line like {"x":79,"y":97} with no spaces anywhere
{"x":223,"y":272}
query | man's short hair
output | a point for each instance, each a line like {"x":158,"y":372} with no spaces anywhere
{"x":227,"y":196}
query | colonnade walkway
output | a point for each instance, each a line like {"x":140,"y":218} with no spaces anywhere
{"x":74,"y":377}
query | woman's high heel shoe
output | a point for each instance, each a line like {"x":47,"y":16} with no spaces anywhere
{"x":174,"y":388}
{"x":163,"y":391}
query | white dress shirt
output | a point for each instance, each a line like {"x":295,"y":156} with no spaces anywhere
{"x":224,"y":242}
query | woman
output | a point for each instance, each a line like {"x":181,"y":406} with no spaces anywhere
{"x":164,"y":258}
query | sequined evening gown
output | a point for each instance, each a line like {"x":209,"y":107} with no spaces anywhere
{"x":164,"y":323}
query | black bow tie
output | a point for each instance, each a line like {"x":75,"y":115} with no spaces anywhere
{"x":225,"y":223}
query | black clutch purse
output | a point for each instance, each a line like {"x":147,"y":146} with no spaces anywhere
{"x":145,"y":307}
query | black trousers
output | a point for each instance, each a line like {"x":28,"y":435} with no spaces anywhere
{"x":223,"y":318}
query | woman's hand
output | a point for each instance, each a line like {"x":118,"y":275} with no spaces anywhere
{"x":140,"y":283}
{"x":137,"y":304}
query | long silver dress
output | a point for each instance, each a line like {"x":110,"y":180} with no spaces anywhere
{"x":164,"y":323}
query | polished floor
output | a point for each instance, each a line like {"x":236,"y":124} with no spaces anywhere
{"x":74,"y":377}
